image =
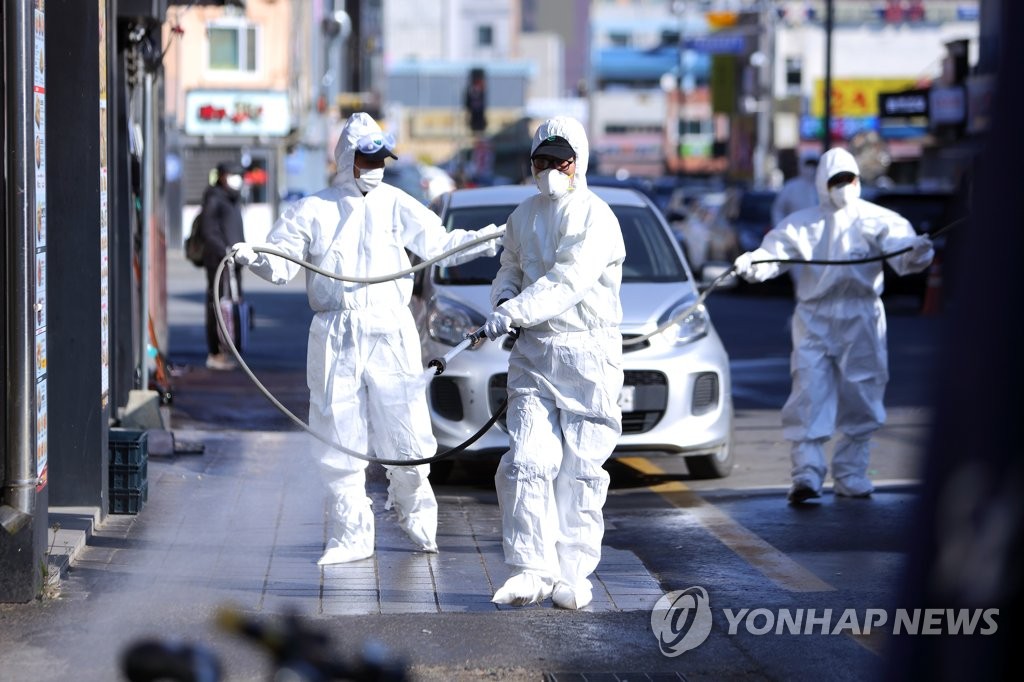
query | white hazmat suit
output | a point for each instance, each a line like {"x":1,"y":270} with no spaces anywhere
{"x":839,"y":363}
{"x":561,"y":270}
{"x":363,"y":366}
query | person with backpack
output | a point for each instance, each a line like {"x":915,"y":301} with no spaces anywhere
{"x":220,"y":226}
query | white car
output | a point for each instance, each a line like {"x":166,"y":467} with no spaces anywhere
{"x":677,"y":397}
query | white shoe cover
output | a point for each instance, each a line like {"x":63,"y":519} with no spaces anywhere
{"x":422,"y":537}
{"x":337,"y":553}
{"x":523,"y":589}
{"x":853,"y":486}
{"x":565,"y":596}
{"x":805,"y":487}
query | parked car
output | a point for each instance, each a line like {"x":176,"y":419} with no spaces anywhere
{"x":753,"y":217}
{"x":419,"y":180}
{"x":677,"y":397}
{"x":704,"y":230}
{"x":928,"y":211}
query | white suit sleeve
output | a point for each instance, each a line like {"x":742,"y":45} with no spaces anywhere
{"x":425,"y":235}
{"x":779,"y":244}
{"x":290,"y":235}
{"x":897,"y":234}
{"x":508,"y":282}
{"x":582,"y":256}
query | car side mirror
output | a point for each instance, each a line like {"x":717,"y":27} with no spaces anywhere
{"x":713,"y":270}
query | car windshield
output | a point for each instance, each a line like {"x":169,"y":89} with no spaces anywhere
{"x":926,"y":213}
{"x":650,"y":256}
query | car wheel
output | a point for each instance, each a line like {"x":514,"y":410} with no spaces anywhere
{"x":719,"y":464}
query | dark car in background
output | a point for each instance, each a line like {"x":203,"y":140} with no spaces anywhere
{"x":928,"y":210}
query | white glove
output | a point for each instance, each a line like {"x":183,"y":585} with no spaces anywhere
{"x":494,"y":244}
{"x":243,"y":254}
{"x":498,"y":324}
{"x":920,"y":247}
{"x":745,"y":267}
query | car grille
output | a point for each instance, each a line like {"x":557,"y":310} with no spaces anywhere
{"x":646,"y":343}
{"x":445,"y":398}
{"x":705,"y":393}
{"x":649,"y":401}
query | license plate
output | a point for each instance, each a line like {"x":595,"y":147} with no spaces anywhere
{"x":626,"y":396}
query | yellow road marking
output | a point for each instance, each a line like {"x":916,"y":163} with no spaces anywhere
{"x":771,"y":562}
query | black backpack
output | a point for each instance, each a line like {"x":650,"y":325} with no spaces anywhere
{"x":194,"y":244}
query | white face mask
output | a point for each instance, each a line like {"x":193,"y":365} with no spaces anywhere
{"x":369,"y":178}
{"x":553,"y":183}
{"x":234,"y":182}
{"x":844,"y":195}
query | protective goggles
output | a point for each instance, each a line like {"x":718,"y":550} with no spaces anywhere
{"x":544,"y":162}
{"x":375,"y":142}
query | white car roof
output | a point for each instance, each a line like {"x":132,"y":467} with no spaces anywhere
{"x":514,"y":194}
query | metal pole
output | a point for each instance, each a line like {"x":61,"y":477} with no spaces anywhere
{"x":18,"y":493}
{"x":765,"y":95}
{"x":826,"y":142}
{"x":149,"y":152}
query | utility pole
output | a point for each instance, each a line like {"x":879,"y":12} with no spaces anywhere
{"x":765,"y":64}
{"x":826,"y":134}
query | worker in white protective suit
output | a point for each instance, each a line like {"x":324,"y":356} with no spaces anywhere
{"x":558,"y":284}
{"x":839,"y":362}
{"x":363,"y":364}
{"x":798,"y":192}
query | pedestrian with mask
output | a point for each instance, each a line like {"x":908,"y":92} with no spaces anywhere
{"x":363,"y":365}
{"x":220,"y":226}
{"x":799,"y":191}
{"x":558,"y":284}
{"x":839,"y":363}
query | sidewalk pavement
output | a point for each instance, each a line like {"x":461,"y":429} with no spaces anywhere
{"x":244,"y":521}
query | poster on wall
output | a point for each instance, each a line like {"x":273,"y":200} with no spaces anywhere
{"x":40,"y":233}
{"x":104,"y":251}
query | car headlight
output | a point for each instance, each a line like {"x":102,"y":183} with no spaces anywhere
{"x":689,"y":329}
{"x":449,"y":321}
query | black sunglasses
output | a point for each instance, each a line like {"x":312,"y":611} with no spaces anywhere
{"x":545,"y":162}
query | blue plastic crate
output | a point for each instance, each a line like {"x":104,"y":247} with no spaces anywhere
{"x":128,"y":501}
{"x":127,"y":476}
{"x":127,"y":447}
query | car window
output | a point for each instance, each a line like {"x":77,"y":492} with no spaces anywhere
{"x":924,"y":212}
{"x":650,"y":254}
{"x":756,"y":207}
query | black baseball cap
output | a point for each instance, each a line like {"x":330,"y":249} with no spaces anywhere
{"x":841,"y":178}
{"x":555,"y":147}
{"x":379,"y":155}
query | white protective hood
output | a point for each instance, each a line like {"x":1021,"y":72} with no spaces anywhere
{"x":358,"y":126}
{"x":832,"y":162}
{"x":572,"y":131}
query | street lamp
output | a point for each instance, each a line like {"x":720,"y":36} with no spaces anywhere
{"x":335,"y":26}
